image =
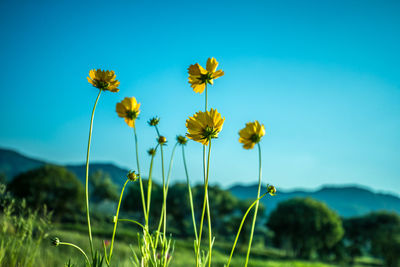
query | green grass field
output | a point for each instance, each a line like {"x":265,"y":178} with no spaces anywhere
{"x":49,"y":255}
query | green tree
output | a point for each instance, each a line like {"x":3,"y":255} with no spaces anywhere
{"x":132,"y":201}
{"x":357,"y":236}
{"x":53,"y":186}
{"x":305,"y":226}
{"x":382,"y":231}
{"x":377,"y":233}
{"x":3,"y":178}
{"x":103,"y":187}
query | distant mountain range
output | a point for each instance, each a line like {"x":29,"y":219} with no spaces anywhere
{"x":348,"y":201}
{"x":13,"y":163}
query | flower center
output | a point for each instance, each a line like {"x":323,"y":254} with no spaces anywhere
{"x":255,"y":138}
{"x":101,"y":84}
{"x":131,"y":114}
{"x":206,"y":78}
{"x":210,"y":132}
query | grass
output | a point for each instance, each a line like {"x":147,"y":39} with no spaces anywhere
{"x":47,"y":255}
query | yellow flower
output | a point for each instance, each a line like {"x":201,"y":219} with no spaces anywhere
{"x":128,"y":109}
{"x":199,"y":77}
{"x":104,"y":80}
{"x":251,"y":134}
{"x":204,"y":126}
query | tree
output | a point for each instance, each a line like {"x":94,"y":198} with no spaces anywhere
{"x":53,"y":186}
{"x":305,"y":226}
{"x":379,"y":229}
{"x":132,"y":200}
{"x":103,"y":187}
{"x":3,"y":178}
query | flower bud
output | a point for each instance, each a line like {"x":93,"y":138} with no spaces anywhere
{"x":162,"y":140}
{"x":55,"y":241}
{"x":182,"y":140}
{"x":132,"y":176}
{"x":154,"y":121}
{"x":271,"y":190}
{"x":151,"y":152}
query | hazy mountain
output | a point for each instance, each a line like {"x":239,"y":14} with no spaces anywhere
{"x":13,"y":163}
{"x":348,"y":201}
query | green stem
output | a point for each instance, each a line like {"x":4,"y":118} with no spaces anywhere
{"x":170,"y":165}
{"x":87,"y":175}
{"x":256,"y":209}
{"x":208,"y":209}
{"x":190,"y":193}
{"x":206,"y":98}
{"x":163,"y":210}
{"x":78,"y":248}
{"x":116,"y":219}
{"x":240,"y":227}
{"x":142,"y":226}
{"x":165,"y":193}
{"x":205,"y":204}
{"x":157,"y":131}
{"x":132,"y":221}
{"x":149,"y":186}
{"x":204,"y":207}
{"x":105,"y":253}
{"x":159,"y":226}
{"x":140,"y":176}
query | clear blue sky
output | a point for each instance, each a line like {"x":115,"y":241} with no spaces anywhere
{"x":323,"y":76}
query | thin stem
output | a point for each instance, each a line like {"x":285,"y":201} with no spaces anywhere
{"x":116,"y":219}
{"x":206,"y":95}
{"x":166,"y":191}
{"x":165,"y":194}
{"x":140,"y":176}
{"x":163,"y":209}
{"x":158,"y":132}
{"x":159,"y":226}
{"x":170,"y":164}
{"x":208,"y":209}
{"x":241,"y":225}
{"x":206,"y":168}
{"x":149,"y":186}
{"x":204,"y":207}
{"x":78,"y":248}
{"x":132,"y":221}
{"x":141,"y":225}
{"x":105,"y":253}
{"x":190,"y":193}
{"x":87,"y":175}
{"x":256,"y":209}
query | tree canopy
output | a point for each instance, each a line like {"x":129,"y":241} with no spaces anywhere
{"x":50,"y":185}
{"x":305,"y":226}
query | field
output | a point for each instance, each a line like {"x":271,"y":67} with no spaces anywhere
{"x":48,"y":255}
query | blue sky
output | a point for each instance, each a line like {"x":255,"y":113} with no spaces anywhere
{"x":323,"y":76}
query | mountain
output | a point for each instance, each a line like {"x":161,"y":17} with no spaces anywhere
{"x":13,"y":163}
{"x":118,"y":175}
{"x":348,"y":201}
